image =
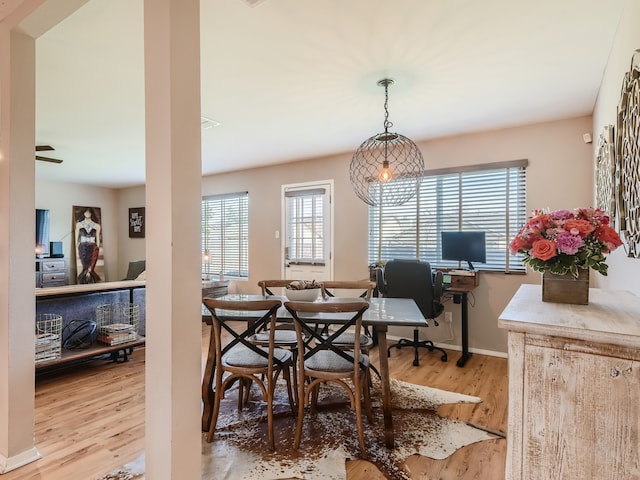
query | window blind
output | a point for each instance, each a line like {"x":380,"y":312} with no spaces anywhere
{"x":306,"y":226}
{"x":225,"y":235}
{"x":489,"y":198}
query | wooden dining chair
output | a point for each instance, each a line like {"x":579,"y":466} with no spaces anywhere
{"x":285,"y":335}
{"x":268,"y":287}
{"x":240,"y":359}
{"x":352,"y":288}
{"x":321,"y":361}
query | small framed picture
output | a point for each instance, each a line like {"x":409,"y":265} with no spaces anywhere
{"x":136,"y":222}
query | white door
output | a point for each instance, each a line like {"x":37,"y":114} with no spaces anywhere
{"x":307,"y":242}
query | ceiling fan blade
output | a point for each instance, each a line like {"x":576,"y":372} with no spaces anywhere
{"x":47,"y":159}
{"x":44,"y":148}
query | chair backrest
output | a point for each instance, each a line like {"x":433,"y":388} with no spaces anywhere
{"x":260,"y":314}
{"x":363,"y":288}
{"x":413,"y":279}
{"x":268,"y":286}
{"x":311,"y":340}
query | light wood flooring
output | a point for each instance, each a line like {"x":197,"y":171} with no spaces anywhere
{"x":90,"y":418}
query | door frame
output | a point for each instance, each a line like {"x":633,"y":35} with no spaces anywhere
{"x":329,"y":185}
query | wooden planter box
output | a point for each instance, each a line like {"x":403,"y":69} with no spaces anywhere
{"x":566,"y":288}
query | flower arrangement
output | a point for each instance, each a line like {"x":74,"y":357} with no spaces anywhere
{"x":565,"y":241}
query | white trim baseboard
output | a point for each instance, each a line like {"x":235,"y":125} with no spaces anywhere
{"x":17,"y":461}
{"x":480,"y":351}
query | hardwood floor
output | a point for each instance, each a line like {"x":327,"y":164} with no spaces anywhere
{"x":90,"y":418}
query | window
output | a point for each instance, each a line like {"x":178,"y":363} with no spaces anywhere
{"x":305,"y":213}
{"x":489,"y":198}
{"x":225,"y":235}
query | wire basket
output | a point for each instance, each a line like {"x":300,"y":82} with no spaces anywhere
{"x":48,"y":341}
{"x":117,"y":323}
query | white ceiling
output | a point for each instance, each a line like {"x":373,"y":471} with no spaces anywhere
{"x":292,"y":79}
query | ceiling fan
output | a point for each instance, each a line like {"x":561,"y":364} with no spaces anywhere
{"x":46,"y":148}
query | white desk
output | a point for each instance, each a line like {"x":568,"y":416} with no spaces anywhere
{"x":381,"y":314}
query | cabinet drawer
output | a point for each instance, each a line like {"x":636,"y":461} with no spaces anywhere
{"x":50,"y":278}
{"x":463,"y":281}
{"x":52,"y":265}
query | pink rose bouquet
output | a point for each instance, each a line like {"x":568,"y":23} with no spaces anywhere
{"x":566,"y":241}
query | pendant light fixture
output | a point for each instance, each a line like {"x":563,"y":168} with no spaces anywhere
{"x":386,"y":169}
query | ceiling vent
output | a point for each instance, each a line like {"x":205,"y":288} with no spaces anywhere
{"x":254,"y":3}
{"x":207,"y":123}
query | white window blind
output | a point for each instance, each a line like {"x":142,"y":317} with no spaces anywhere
{"x":305,"y":226}
{"x":489,"y":198}
{"x":225,"y":235}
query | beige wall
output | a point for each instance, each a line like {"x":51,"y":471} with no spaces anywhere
{"x":623,"y":271}
{"x":131,"y":249}
{"x":559,"y":176}
{"x":59,"y":198}
{"x":119,"y":249}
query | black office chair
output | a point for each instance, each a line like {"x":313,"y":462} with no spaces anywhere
{"x":413,"y":279}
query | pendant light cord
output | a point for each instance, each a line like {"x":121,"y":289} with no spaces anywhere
{"x":387,"y":123}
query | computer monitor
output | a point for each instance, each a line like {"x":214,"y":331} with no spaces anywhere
{"x":464,"y":247}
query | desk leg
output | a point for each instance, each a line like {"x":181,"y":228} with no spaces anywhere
{"x":465,"y":331}
{"x":386,"y":386}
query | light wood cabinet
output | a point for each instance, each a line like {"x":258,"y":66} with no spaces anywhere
{"x":574,"y":387}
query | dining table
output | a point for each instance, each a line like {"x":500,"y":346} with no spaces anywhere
{"x":382,"y":314}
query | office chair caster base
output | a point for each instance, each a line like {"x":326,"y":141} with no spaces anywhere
{"x":415,"y":344}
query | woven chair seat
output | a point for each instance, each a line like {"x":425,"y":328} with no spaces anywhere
{"x":241,"y":356}
{"x":348,"y":339}
{"x":279,"y":337}
{"x":328,"y":361}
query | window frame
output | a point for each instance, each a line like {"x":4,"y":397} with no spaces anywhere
{"x":225,"y":253}
{"x":306,"y":230}
{"x":487,"y":197}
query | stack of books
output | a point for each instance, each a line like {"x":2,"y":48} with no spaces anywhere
{"x":47,"y":347}
{"x":117,"y":333}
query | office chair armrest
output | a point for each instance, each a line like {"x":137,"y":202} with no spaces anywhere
{"x":437,"y":286}
{"x":380,"y":283}
{"x":438,"y":307}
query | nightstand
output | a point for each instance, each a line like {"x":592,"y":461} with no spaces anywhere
{"x":51,"y":272}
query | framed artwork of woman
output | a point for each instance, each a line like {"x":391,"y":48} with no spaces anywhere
{"x":87,"y":229}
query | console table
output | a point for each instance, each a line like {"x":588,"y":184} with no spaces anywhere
{"x":79,"y":302}
{"x":574,"y":386}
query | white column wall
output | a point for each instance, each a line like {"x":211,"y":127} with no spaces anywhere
{"x":173,"y":176}
{"x":17,"y":223}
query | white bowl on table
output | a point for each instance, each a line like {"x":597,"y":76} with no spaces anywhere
{"x":305,"y":295}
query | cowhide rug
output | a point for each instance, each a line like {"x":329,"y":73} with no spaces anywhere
{"x":239,"y":450}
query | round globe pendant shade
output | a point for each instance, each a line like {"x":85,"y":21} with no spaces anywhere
{"x":386,"y":170}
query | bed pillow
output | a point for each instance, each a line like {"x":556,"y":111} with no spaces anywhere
{"x":135,"y":269}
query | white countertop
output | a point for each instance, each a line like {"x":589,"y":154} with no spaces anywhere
{"x":612,"y":316}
